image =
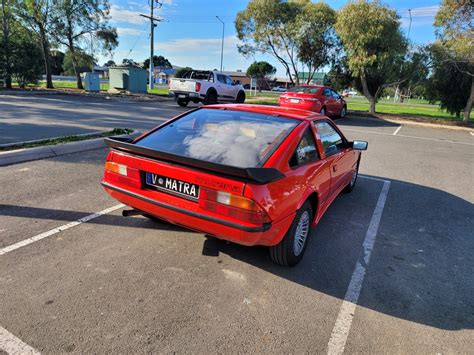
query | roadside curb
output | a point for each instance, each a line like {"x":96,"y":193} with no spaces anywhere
{"x":410,"y":121}
{"x":30,"y":154}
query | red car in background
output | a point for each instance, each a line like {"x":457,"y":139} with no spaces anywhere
{"x":316,"y":98}
{"x":250,"y":174}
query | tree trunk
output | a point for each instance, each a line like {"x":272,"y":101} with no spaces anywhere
{"x":75,"y":65}
{"x":46,"y":58}
{"x":367,"y":94}
{"x":6,"y":45}
{"x":468,"y":108}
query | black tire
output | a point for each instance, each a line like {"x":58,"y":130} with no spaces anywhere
{"x":284,"y":253}
{"x":323,"y":111}
{"x":350,"y":186}
{"x":211,"y":98}
{"x":182,"y":102}
{"x":240,"y":97}
{"x":343,"y":112}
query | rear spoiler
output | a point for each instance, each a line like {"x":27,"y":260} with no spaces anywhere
{"x":255,"y":175}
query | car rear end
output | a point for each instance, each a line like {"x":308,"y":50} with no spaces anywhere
{"x":187,"y":89}
{"x":301,"y":97}
{"x":204,"y":172}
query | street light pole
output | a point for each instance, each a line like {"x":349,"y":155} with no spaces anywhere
{"x":222,"y":45}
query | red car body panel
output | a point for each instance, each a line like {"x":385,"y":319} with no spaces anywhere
{"x":320,"y":181}
{"x":313,"y":102}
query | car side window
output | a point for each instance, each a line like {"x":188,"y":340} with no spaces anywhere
{"x":229,"y":81}
{"x":330,"y":138}
{"x":305,"y":151}
{"x":327,"y":92}
{"x":221,"y":78}
{"x":335,"y":95}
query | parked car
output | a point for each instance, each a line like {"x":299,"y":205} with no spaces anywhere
{"x":208,"y":87}
{"x":250,"y":174}
{"x":279,"y":89}
{"x":315,"y":98}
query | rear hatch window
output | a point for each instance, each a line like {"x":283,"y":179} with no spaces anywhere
{"x":305,"y":89}
{"x":227,"y":137}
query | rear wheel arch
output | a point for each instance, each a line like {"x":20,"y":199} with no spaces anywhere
{"x":313,"y":199}
{"x":211,"y":96}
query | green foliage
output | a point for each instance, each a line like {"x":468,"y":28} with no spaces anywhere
{"x":448,"y":83}
{"x":374,"y":45}
{"x":57,"y":59}
{"x":182,"y":71}
{"x":85,"y":62}
{"x":158,"y":61}
{"x":293,"y":32}
{"x":316,"y":40}
{"x":261,"y":70}
{"x":109,"y":63}
{"x":128,"y":61}
{"x":454,"y":22}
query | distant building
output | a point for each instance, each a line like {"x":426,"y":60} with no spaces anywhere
{"x":162,"y":75}
{"x":238,"y":75}
{"x":319,"y":78}
{"x":103,"y":71}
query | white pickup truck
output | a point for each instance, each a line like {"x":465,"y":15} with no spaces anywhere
{"x":208,"y":87}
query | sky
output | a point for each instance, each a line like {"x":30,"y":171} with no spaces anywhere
{"x":190,"y":34}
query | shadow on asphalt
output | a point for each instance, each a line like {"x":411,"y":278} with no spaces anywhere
{"x":421,"y":269}
{"x":358,"y":121}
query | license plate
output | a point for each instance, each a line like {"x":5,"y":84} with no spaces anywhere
{"x":295,"y":101}
{"x":182,"y":96}
{"x":172,"y":186}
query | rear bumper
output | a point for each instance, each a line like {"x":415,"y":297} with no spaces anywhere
{"x":308,"y":106}
{"x":267,"y":234}
{"x":192,"y":96}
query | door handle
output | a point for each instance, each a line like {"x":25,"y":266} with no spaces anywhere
{"x":334,"y":168}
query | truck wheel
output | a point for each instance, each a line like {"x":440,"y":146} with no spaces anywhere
{"x":240,"y":97}
{"x":290,"y":250}
{"x":211,"y":98}
{"x":182,"y":102}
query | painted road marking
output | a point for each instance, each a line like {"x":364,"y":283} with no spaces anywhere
{"x":54,"y":231}
{"x":341,"y":329}
{"x":472,"y":133}
{"x":405,"y":136}
{"x":372,"y":178}
{"x":12,"y":345}
{"x":397,"y":130}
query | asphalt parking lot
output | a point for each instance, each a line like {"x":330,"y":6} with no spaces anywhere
{"x":390,"y":267}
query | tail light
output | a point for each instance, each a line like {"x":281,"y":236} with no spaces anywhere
{"x":238,"y":207}
{"x":198,"y":86}
{"x":121,"y":174}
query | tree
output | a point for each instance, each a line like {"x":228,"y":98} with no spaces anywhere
{"x":261,"y":70}
{"x":456,"y":35}
{"x":448,"y":82}
{"x":79,"y":62}
{"x":316,"y":40}
{"x":38,"y":15}
{"x":181,"y":72}
{"x":158,"y":61}
{"x":6,"y":15}
{"x":266,"y":26}
{"x":109,"y":63}
{"x":77,"y":19}
{"x":57,"y":59}
{"x":128,"y":61}
{"x":26,"y":54}
{"x":374,"y":45}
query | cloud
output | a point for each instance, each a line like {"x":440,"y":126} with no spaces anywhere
{"x":126,"y":31}
{"x":203,"y":45}
{"x":121,"y":15}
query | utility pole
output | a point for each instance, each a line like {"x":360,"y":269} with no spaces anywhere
{"x":222,"y":45}
{"x":409,"y":26}
{"x":158,"y":5}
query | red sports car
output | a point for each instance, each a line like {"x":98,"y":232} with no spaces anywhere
{"x":315,"y":98}
{"x":250,"y":174}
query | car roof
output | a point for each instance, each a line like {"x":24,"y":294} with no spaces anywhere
{"x":297,"y":114}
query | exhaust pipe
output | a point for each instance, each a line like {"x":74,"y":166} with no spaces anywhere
{"x":130,"y":213}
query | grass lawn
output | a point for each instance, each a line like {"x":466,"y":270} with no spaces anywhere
{"x":160,"y":90}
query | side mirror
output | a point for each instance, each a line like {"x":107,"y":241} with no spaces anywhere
{"x":360,"y":145}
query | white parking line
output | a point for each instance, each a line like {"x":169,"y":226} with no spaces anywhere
{"x":341,"y":329}
{"x":397,"y":130}
{"x":54,"y":231}
{"x":405,"y":136}
{"x":12,"y":345}
{"x":372,"y":178}
{"x":472,"y":133}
